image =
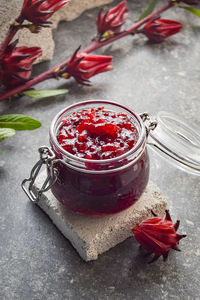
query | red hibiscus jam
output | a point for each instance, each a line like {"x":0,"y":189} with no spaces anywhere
{"x":98,"y":186}
{"x":97,"y":134}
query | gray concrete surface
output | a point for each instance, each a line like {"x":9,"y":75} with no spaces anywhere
{"x":36,"y":261}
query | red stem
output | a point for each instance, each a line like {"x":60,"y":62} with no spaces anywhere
{"x":97,"y":45}
{"x":91,"y":47}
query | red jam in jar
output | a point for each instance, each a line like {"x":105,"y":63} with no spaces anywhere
{"x":97,"y":133}
{"x":103,"y":163}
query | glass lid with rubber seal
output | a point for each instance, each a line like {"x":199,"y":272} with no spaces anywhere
{"x":177,"y":141}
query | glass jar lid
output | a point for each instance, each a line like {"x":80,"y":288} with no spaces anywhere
{"x":179,"y":141}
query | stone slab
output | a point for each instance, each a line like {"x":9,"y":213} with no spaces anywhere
{"x":92,"y":236}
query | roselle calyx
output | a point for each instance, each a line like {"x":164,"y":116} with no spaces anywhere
{"x":110,"y":22}
{"x":39,"y":11}
{"x":83,"y":66}
{"x":16,"y":64}
{"x":159,"y":29}
{"x":158,"y":236}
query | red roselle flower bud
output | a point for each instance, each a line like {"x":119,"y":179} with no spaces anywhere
{"x":110,"y":23}
{"x":159,"y":29}
{"x":82,"y":66}
{"x":16,"y":64}
{"x":158,"y":236}
{"x":38,"y":11}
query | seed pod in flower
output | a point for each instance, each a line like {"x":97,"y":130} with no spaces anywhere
{"x":16,"y":64}
{"x":158,"y":236}
{"x":33,"y":28}
{"x":110,"y":23}
{"x":38,"y":11}
{"x":82,"y":66}
{"x":159,"y":29}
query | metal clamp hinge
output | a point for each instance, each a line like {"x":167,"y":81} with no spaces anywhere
{"x":149,"y":124}
{"x":47,"y":158}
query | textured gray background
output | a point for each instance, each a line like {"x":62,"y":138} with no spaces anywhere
{"x":36,"y":261}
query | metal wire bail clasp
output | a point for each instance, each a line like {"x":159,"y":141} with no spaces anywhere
{"x":149,"y":124}
{"x":47,"y":158}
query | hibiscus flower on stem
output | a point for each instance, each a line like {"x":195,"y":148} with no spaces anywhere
{"x":16,"y":64}
{"x":35,"y":11}
{"x":39,"y":11}
{"x":159,"y":29}
{"x":109,"y":30}
{"x":88,"y":49}
{"x":83,"y":66}
{"x":110,"y":22}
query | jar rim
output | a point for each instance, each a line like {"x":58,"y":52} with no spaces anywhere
{"x":141,"y":140}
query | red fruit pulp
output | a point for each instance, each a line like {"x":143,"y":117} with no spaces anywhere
{"x":100,"y":134}
{"x":97,"y":134}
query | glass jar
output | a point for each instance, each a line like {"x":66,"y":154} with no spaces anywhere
{"x":104,"y":187}
{"x":100,"y":187}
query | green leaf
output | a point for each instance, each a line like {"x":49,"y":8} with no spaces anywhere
{"x":18,"y":122}
{"x":148,"y":10}
{"x":5,"y":133}
{"x":44,"y":93}
{"x":191,"y":9}
{"x":1,"y":152}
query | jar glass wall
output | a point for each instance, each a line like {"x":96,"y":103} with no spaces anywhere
{"x":100,"y":187}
